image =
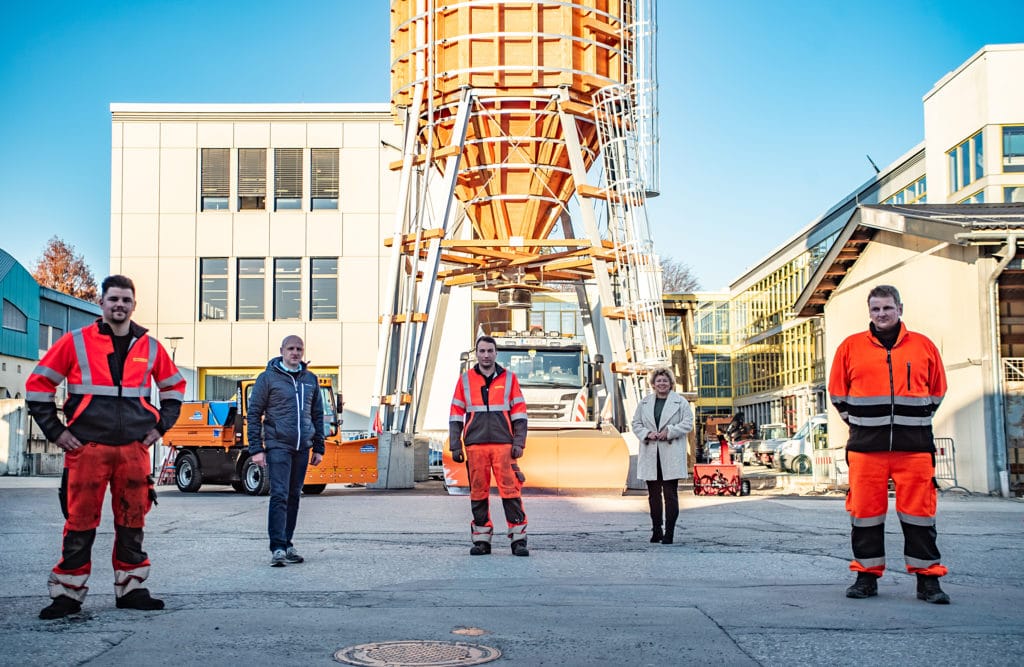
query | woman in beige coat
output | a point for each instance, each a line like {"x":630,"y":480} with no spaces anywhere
{"x":661,"y":423}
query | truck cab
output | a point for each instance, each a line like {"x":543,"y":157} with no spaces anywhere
{"x":210,"y":441}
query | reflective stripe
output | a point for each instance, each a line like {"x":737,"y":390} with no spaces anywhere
{"x":487,"y":408}
{"x":71,"y":585}
{"x":899,"y":420}
{"x":872,"y":562}
{"x":456,"y":402}
{"x":457,"y":418}
{"x":173,"y":395}
{"x":886,"y":400}
{"x":508,"y":392}
{"x":915,"y":520}
{"x":171,"y":381}
{"x":867,"y":521}
{"x":517,"y":531}
{"x":517,"y":416}
{"x":467,"y":391}
{"x":836,"y":400}
{"x":97,"y":390}
{"x":481,"y":533}
{"x":40,"y":396}
{"x":918,"y":562}
{"x":50,"y":374}
{"x":82,"y":356}
{"x":517,"y":401}
{"x":126,"y":581}
{"x":150,"y":361}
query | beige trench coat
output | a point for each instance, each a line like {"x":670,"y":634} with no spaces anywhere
{"x":678,"y":418}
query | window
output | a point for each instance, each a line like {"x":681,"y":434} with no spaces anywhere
{"x":48,"y":335}
{"x":323,"y":288}
{"x":323,"y":179}
{"x":252,"y":179}
{"x":14,"y":319}
{"x":977,"y":198}
{"x":215,"y":179}
{"x":287,"y":179}
{"x":1013,"y":148}
{"x":251,"y":274}
{"x":213,"y":288}
{"x":915,"y":193}
{"x":966,"y":162}
{"x":287,"y":287}
{"x":1013,"y":194}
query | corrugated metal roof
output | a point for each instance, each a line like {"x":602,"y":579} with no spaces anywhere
{"x":6,"y":263}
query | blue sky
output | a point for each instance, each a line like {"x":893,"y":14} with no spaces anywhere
{"x":767,"y":108}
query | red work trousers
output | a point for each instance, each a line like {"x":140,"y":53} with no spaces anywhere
{"x":90,"y":469}
{"x":482,"y":460}
{"x":913,"y":473}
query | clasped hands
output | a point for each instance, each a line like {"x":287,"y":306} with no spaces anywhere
{"x":657,"y":435}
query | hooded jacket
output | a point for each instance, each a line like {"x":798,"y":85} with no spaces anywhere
{"x":285,"y":410}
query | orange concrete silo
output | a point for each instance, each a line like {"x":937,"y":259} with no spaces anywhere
{"x":516,"y":55}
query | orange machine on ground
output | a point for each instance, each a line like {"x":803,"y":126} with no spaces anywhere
{"x":210,"y":447}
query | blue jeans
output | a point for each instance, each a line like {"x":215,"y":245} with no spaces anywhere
{"x":287,"y":469}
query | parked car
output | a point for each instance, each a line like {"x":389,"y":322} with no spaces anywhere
{"x":796,"y":455}
{"x":764,"y":449}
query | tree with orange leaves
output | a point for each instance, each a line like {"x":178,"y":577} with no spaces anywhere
{"x":61,"y":269}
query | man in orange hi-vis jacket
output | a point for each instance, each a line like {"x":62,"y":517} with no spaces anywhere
{"x":887,"y":383}
{"x":109,"y":367}
{"x":488,"y":416}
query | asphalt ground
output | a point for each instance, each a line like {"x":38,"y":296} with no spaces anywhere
{"x":755,"y":580}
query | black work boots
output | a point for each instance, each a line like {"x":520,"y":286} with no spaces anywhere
{"x":866,"y":586}
{"x":928,"y":590}
{"x":139,"y":599}
{"x":519,"y":548}
{"x":61,"y":606}
{"x":480,"y":549}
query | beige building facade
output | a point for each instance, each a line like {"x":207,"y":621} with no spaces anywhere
{"x":242,"y":224}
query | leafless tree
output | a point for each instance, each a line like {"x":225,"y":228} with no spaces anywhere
{"x":677,"y":277}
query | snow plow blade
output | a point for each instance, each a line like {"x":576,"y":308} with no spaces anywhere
{"x":560,"y":460}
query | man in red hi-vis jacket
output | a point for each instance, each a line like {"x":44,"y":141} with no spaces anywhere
{"x":109,"y":367}
{"x":887,"y":383}
{"x":488,"y":416}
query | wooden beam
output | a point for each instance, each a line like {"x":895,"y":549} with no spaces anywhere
{"x":439,"y":154}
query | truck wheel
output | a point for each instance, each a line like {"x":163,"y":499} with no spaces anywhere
{"x":186,"y":472}
{"x":313,"y":489}
{"x":801,"y":465}
{"x":255,"y":479}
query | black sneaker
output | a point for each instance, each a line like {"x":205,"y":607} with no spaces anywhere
{"x":292,"y":556}
{"x":139,"y":599}
{"x":61,"y":606}
{"x":279,"y":558}
{"x":519,"y":548}
{"x":480,"y":549}
{"x":866,"y":586}
{"x":928,"y":589}
{"x":656,"y":535}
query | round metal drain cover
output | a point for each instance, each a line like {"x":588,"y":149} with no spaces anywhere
{"x":417,"y":654}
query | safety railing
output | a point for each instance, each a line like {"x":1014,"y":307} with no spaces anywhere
{"x":1013,"y":369}
{"x":945,"y":465}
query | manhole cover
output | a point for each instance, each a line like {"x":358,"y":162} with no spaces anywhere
{"x":417,"y":654}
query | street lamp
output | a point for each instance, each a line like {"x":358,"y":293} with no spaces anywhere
{"x":173,"y":342}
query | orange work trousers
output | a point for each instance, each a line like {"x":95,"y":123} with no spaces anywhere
{"x":483,"y":460}
{"x":90,"y":469}
{"x":867,"y":501}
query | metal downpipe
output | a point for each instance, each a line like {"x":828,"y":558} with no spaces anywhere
{"x":997,"y":366}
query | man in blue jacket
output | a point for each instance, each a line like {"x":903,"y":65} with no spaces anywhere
{"x":286,"y":420}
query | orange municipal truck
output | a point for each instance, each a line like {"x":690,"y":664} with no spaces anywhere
{"x":211,"y":447}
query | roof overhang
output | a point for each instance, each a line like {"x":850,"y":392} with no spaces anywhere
{"x":957,"y":224}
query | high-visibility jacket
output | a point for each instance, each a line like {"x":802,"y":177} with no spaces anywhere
{"x":888,"y":397}
{"x":488,"y":410}
{"x":108,"y":398}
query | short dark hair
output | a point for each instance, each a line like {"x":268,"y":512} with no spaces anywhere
{"x":116,"y":280}
{"x":883,"y":291}
{"x":485,"y":339}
